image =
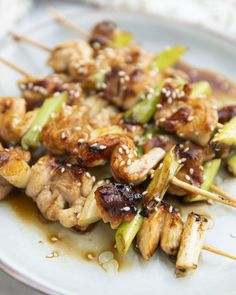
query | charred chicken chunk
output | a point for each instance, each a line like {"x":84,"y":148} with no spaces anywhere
{"x":36,"y":90}
{"x":14,"y":169}
{"x":102,"y":34}
{"x":62,"y":55}
{"x":191,"y":118}
{"x":117,"y":202}
{"x":80,"y":132}
{"x":124,"y":87}
{"x":14,"y":119}
{"x":59,"y":190}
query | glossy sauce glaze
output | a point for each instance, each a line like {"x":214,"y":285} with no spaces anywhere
{"x":86,"y":245}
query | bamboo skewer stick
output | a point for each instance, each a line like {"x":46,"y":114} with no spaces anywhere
{"x":196,"y":190}
{"x":15,"y":67}
{"x":65,"y":22}
{"x":19,"y":37}
{"x":217,"y":190}
{"x":218,"y":252}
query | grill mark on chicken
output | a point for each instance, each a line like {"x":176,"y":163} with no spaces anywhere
{"x":59,"y":189}
{"x":117,"y":202}
{"x":191,"y":118}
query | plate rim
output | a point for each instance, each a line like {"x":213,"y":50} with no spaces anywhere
{"x":6,"y":40}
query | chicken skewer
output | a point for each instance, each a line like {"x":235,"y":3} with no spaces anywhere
{"x":35,"y":90}
{"x":152,"y":198}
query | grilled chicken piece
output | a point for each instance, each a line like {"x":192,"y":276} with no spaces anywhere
{"x":14,"y":169}
{"x":193,"y":158}
{"x":191,"y":242}
{"x":171,"y":232}
{"x":124,"y":87}
{"x":14,"y":119}
{"x":226,"y":113}
{"x":149,"y":235}
{"x":191,"y":118}
{"x":192,"y":170}
{"x":76,"y":124}
{"x":80,"y":132}
{"x":166,"y":142}
{"x":59,"y":190}
{"x":61,"y":56}
{"x":116,"y":202}
{"x":126,"y":165}
{"x":36,"y":90}
{"x":102,"y":34}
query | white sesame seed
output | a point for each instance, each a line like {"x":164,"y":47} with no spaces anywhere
{"x":186,"y":149}
{"x":126,"y":208}
{"x":144,"y":193}
{"x":63,"y":135}
{"x":81,"y":140}
{"x":187,"y":177}
{"x":88,"y":174}
{"x":191,"y":171}
{"x":122,"y":163}
{"x":63,"y":169}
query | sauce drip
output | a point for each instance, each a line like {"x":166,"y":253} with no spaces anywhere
{"x":81,"y":245}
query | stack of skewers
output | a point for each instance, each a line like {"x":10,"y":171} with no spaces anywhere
{"x":109,"y":102}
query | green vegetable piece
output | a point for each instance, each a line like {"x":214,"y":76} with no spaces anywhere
{"x":162,"y":176}
{"x":231,"y":163}
{"x":211,"y":169}
{"x":90,"y":212}
{"x":199,"y":89}
{"x":143,"y":111}
{"x":50,"y":106}
{"x":226,"y":135}
{"x":168,"y":57}
{"x":127,"y":232}
{"x":121,"y":39}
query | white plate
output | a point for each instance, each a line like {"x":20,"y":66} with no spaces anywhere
{"x":23,"y":256}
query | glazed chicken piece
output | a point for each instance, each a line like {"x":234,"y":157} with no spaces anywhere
{"x":191,"y":118}
{"x":124,"y":87}
{"x":59,"y":189}
{"x":36,"y":90}
{"x":192,"y":172}
{"x":14,"y":118}
{"x":76,"y":124}
{"x":82,"y":133}
{"x":126,"y":166}
{"x":116,"y":202}
{"x":102,"y":34}
{"x":14,"y":169}
{"x":193,"y":157}
{"x":61,"y":56}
